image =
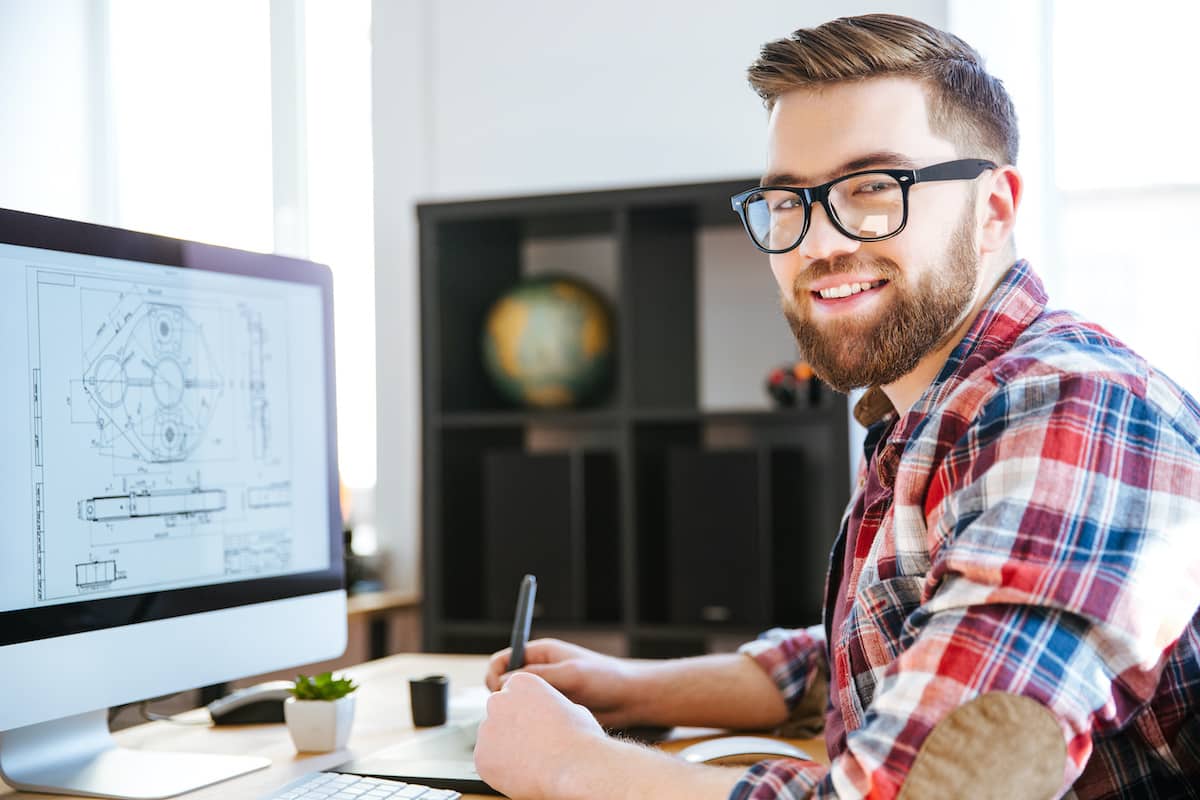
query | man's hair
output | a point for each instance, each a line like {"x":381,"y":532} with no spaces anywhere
{"x":966,"y":104}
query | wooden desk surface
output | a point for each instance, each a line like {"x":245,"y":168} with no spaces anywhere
{"x":382,"y":718}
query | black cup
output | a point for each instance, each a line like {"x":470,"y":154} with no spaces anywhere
{"x":429,"y":696}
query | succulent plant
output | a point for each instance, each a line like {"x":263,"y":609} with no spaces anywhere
{"x":321,"y":687}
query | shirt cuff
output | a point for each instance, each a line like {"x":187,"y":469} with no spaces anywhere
{"x":795,"y":659}
{"x":779,"y":779}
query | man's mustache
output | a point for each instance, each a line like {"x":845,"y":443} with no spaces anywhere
{"x":883,"y":268}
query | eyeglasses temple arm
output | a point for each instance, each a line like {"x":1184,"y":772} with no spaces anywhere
{"x":953,"y":170}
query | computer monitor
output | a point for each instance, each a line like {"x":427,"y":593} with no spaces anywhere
{"x":168,"y":490}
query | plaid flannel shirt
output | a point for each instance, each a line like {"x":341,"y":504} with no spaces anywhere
{"x":1039,"y":554}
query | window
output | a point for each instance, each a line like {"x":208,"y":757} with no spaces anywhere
{"x":196,"y":153}
{"x":1127,"y":175}
{"x":1104,"y":96}
{"x":341,"y":230}
{"x":190,"y":109}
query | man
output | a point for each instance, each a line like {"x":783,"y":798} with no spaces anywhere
{"x":1012,"y":605}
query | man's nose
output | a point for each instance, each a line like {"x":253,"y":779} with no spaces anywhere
{"x":824,"y":240}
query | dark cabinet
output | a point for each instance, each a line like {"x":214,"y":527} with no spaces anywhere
{"x":643,"y":514}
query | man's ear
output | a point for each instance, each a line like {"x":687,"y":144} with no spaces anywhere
{"x":1001,"y":192}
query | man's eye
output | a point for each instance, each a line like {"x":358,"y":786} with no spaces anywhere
{"x":786,"y":204}
{"x":874,"y":187}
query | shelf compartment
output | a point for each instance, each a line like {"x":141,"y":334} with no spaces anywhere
{"x":736,"y":513}
{"x":556,"y":516}
{"x":527,"y":499}
{"x":475,"y":261}
{"x":600,"y":521}
{"x":714,"y":513}
{"x":460,"y":515}
{"x":651,"y":444}
{"x":660,"y":284}
{"x":807,"y":499}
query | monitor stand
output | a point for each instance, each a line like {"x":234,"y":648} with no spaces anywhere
{"x":77,"y":755}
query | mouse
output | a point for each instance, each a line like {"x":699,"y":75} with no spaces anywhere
{"x":740,"y":750}
{"x":262,"y":702}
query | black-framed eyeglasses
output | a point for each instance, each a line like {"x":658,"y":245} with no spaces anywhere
{"x":868,"y":206}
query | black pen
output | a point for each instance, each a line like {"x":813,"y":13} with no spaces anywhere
{"x":521,"y":622}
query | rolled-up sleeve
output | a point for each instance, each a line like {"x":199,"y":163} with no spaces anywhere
{"x":796,"y":660}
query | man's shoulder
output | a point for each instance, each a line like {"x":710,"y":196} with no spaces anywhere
{"x":1063,"y":345}
{"x":1062,"y":356}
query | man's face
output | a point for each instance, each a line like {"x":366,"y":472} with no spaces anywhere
{"x":928,"y":272}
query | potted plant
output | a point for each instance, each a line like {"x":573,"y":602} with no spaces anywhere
{"x":319,"y":712}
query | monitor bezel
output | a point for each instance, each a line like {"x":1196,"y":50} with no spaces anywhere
{"x":71,"y":236}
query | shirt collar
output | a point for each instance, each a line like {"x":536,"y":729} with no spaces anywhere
{"x":1014,"y":304}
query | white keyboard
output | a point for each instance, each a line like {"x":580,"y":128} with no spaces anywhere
{"x":334,"y":786}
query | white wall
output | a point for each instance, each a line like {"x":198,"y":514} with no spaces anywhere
{"x":476,"y":98}
{"x":542,"y":95}
{"x":399,"y":93}
{"x":48,"y":119}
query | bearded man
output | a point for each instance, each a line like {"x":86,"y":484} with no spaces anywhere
{"x":1011,"y":609}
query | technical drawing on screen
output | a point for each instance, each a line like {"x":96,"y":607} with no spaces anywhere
{"x":161,"y":428}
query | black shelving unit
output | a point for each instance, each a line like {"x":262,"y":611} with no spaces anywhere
{"x":639,"y":517}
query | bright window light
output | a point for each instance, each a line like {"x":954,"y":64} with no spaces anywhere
{"x":193,"y":142}
{"x":340,"y":211}
{"x":1104,"y":97}
{"x":191,"y":115}
{"x":1124,"y":94}
{"x":1127,"y":177}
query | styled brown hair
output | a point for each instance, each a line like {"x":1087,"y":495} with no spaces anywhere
{"x":966,"y":104}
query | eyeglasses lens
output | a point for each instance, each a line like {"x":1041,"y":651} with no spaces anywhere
{"x":775,"y":218}
{"x":868,"y":206}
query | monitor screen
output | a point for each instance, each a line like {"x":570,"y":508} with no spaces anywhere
{"x":158,"y":411}
{"x":168,"y":489}
{"x":164,"y":430}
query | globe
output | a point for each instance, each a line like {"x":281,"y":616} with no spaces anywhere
{"x":548,"y":343}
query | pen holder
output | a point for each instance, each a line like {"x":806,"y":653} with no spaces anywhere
{"x":429,"y":698}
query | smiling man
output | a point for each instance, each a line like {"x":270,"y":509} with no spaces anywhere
{"x":1011,"y":610}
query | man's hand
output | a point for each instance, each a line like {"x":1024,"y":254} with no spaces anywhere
{"x":536,"y":744}
{"x":533,"y":738}
{"x":714,"y":691}
{"x":604,"y":684}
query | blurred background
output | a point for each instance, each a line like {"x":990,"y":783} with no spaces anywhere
{"x":314,"y":128}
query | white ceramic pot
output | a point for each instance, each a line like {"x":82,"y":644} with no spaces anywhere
{"x":319,"y":725}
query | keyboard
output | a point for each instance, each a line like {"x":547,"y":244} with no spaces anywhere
{"x":335,"y":786}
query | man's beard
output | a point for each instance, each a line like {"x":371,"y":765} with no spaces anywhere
{"x":854,"y":352}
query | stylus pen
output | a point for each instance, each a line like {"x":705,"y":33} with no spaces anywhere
{"x":520,"y":631}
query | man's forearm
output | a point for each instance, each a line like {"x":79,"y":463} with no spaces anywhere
{"x":719,"y":691}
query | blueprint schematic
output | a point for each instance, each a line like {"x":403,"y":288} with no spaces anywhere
{"x":161,"y":434}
